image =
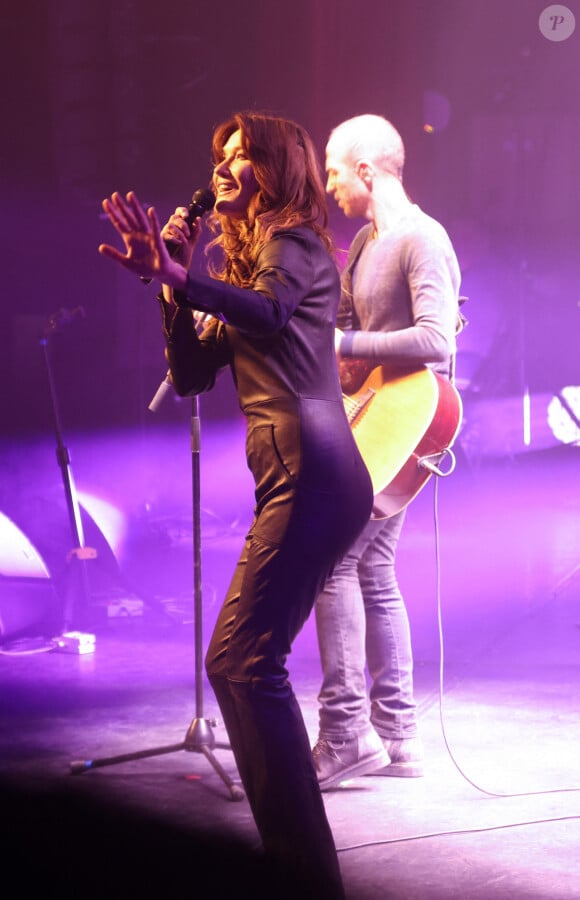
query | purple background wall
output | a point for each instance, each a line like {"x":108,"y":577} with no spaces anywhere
{"x":124,"y":94}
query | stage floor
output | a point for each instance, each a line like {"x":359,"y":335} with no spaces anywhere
{"x":497,"y":673}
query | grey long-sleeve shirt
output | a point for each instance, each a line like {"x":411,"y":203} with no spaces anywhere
{"x":400,"y":295}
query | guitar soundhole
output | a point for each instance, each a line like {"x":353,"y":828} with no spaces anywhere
{"x":353,"y":373}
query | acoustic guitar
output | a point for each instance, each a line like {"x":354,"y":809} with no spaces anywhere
{"x":403,"y":423}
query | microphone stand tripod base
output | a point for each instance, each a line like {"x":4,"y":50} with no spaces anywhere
{"x":199,"y":739}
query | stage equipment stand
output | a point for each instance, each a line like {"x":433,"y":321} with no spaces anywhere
{"x":199,"y":737}
{"x":77,"y":580}
{"x":76,"y":593}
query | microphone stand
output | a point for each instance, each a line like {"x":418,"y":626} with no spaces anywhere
{"x":199,"y":737}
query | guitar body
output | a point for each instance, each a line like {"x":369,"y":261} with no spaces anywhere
{"x":396,"y":420}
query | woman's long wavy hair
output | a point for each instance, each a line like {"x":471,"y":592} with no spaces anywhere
{"x":291,"y":192}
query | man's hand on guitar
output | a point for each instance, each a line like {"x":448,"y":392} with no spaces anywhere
{"x":352,"y":372}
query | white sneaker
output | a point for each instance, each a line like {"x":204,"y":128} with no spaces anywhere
{"x":337,"y":761}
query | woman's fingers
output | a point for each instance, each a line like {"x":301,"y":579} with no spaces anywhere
{"x":112,"y":253}
{"x":115,"y":214}
{"x":139,"y":217}
{"x":126,"y":213}
{"x":177,"y":228}
{"x":160,"y":247}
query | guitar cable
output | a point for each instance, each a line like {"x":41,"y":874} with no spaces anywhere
{"x":427,"y":463}
{"x":442,"y":668}
{"x":432,"y":462}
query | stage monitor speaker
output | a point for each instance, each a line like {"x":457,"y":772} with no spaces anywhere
{"x":28,"y":599}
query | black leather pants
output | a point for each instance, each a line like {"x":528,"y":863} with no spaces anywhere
{"x":297,"y":536}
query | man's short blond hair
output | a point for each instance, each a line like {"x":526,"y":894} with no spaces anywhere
{"x":370,"y":137}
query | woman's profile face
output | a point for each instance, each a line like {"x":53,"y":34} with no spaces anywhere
{"x":234,"y":180}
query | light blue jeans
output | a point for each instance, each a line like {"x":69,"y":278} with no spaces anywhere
{"x":361,"y":622}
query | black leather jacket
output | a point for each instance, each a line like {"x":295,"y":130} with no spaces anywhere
{"x":278,"y":339}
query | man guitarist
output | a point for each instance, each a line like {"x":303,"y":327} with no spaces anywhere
{"x":400,"y":309}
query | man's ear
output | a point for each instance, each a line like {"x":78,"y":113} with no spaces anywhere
{"x":365,"y":171}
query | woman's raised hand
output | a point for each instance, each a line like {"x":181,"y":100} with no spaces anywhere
{"x":145,"y":251}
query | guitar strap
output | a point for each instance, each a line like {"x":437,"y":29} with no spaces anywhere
{"x":356,"y":249}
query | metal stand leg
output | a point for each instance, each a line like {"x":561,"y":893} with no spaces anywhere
{"x":76,"y":602}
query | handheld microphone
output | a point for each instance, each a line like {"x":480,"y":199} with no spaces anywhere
{"x":202,"y":202}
